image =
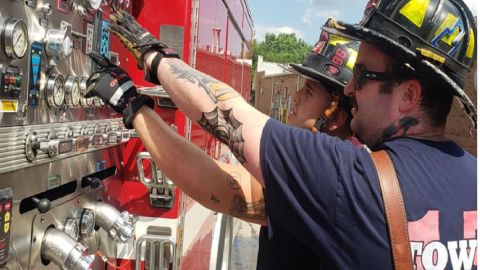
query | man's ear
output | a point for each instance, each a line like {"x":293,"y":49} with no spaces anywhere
{"x":411,"y":95}
{"x":338,"y":120}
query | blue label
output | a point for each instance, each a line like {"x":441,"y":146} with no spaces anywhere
{"x":101,"y":165}
{"x":34,"y":79}
{"x":105,"y":40}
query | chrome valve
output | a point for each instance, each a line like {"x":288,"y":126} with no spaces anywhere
{"x":120,"y":226}
{"x":65,"y":252}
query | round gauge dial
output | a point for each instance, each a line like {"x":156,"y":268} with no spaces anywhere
{"x":67,"y":46}
{"x":93,"y":4}
{"x":85,"y":102}
{"x":58,"y":43}
{"x":72,"y":91}
{"x":15,"y":38}
{"x":55,"y":91}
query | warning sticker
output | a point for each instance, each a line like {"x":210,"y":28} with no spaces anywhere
{"x":8,"y":105}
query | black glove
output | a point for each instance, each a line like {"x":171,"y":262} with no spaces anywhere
{"x":139,"y":41}
{"x":113,"y":85}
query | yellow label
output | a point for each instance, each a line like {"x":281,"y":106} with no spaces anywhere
{"x":8,"y":106}
{"x":431,"y":55}
{"x":6,"y":227}
{"x":7,"y":216}
{"x":415,"y":11}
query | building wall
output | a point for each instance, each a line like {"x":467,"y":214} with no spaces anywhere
{"x":273,"y":94}
{"x":458,"y":124}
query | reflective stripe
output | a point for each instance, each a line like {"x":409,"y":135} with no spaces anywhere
{"x":471,"y":45}
{"x":120,"y":90}
{"x":415,"y":11}
{"x":451,"y":31}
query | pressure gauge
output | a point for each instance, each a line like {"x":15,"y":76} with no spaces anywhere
{"x":58,"y":43}
{"x":72,"y":91}
{"x":85,"y":102}
{"x":55,"y":91}
{"x":15,"y":38}
{"x":93,"y":4}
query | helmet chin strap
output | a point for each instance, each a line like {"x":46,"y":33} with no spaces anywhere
{"x":328,"y":114}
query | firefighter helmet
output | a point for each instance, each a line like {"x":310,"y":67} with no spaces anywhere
{"x":436,"y":37}
{"x":331,"y":60}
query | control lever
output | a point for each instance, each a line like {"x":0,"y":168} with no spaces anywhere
{"x":93,"y":182}
{"x":43,"y":205}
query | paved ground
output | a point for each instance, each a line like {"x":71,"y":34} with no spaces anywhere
{"x":245,"y":247}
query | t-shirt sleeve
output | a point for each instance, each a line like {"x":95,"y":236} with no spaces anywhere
{"x":301,"y":175}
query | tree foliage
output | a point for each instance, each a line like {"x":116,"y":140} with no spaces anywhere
{"x":281,"y":48}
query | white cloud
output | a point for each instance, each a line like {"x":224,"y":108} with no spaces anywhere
{"x":261,"y":30}
{"x":318,"y":11}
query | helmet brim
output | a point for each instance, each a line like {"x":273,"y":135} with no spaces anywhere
{"x":426,"y":68}
{"x":331,"y":84}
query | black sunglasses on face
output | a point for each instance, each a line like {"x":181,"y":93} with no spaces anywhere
{"x":360,"y":74}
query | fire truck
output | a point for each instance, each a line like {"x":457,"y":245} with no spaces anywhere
{"x":77,"y":189}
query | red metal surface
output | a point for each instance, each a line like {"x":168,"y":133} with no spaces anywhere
{"x":219,"y":48}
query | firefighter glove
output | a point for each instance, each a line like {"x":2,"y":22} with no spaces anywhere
{"x":113,"y":85}
{"x":139,"y":41}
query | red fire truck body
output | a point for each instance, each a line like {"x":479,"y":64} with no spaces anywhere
{"x":217,"y":39}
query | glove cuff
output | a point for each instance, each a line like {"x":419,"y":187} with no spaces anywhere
{"x":132,"y":108}
{"x":150,"y":75}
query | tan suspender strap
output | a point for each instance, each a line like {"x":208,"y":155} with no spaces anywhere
{"x":394,"y":210}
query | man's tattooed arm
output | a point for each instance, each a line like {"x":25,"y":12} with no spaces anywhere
{"x":216,"y":90}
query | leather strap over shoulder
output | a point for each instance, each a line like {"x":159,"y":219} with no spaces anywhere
{"x":394,"y":210}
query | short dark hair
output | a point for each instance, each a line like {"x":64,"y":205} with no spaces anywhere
{"x":435,"y":101}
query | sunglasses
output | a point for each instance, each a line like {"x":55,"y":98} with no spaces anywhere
{"x":361,"y":74}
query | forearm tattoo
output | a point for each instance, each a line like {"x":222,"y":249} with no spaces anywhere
{"x":402,"y":126}
{"x":241,"y":209}
{"x":232,"y":181}
{"x":216,"y":90}
{"x":225,"y":127}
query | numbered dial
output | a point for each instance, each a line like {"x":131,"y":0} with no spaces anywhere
{"x":58,"y":43}
{"x":85,"y":102}
{"x":93,"y":4}
{"x":55,"y":91}
{"x":15,"y":38}
{"x":72,"y":91}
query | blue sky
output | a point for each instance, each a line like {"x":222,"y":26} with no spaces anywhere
{"x":305,"y":17}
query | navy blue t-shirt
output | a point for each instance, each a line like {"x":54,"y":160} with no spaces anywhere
{"x":323,"y":200}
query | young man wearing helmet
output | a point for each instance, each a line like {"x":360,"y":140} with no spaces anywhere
{"x":319,"y":105}
{"x":320,"y":189}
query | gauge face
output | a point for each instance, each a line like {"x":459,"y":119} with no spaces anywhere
{"x":72,"y":91}
{"x":16,"y":38}
{"x":76,"y":94}
{"x":58,"y":92}
{"x":93,"y":4}
{"x":67,"y":46}
{"x":55,"y":91}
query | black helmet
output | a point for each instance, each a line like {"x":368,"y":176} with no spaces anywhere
{"x":331,"y":62}
{"x":435,"y":37}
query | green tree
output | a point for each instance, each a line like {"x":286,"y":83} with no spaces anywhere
{"x":281,"y":48}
